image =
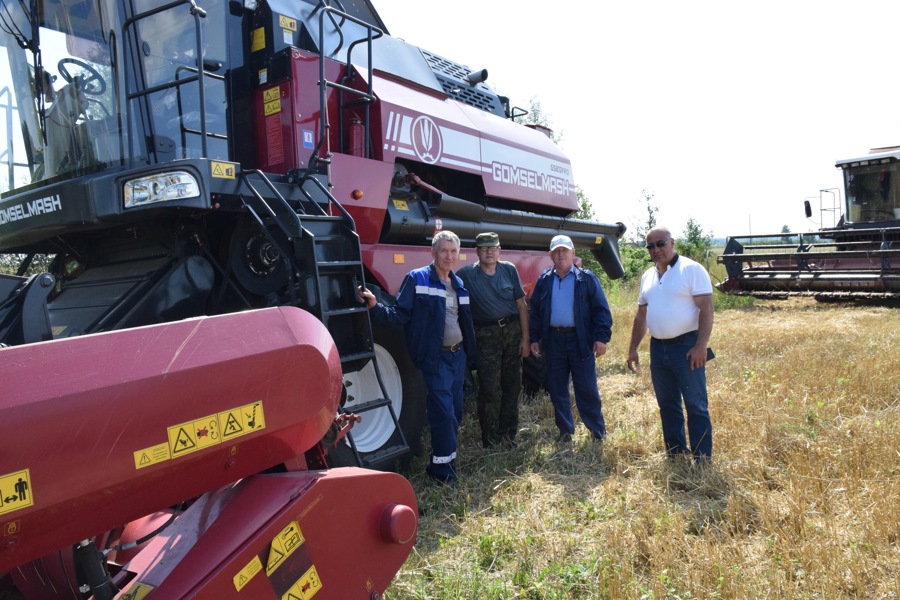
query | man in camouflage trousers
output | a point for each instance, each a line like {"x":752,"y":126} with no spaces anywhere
{"x":501,"y":331}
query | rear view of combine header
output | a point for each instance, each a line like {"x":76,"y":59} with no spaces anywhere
{"x":209,"y":182}
{"x":857,"y":258}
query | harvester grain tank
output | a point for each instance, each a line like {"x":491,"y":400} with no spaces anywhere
{"x":195,"y":191}
{"x":856,"y":258}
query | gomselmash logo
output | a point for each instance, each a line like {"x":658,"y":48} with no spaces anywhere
{"x":426,"y":140}
{"x":26,"y":210}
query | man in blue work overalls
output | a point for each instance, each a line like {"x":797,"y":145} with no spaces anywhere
{"x":440,"y":337}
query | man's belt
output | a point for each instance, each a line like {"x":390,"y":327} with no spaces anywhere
{"x":452,"y":348}
{"x":676,"y":339}
{"x":562,"y":329}
{"x":498,"y":322}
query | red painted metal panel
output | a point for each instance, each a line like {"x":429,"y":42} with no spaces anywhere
{"x":111,"y":427}
{"x":390,"y":263}
{"x":373,"y":179}
{"x":513,"y":161}
{"x":265,"y":536}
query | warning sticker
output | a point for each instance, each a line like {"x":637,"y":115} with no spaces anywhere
{"x":400,"y":204}
{"x":137,"y":592}
{"x":306,"y":587}
{"x":151,"y":456}
{"x":271,"y":94}
{"x":15,"y":491}
{"x":242,"y":421}
{"x":258,"y":39}
{"x":11,"y":528}
{"x":222,"y":170}
{"x":598,"y":240}
{"x":246,"y":574}
{"x":287,"y":23}
{"x":270,"y":108}
{"x":192,"y":436}
{"x":283,"y":545}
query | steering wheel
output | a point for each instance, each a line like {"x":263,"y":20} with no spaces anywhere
{"x":92,"y":83}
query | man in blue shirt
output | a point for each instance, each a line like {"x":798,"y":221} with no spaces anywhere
{"x":570,"y":324}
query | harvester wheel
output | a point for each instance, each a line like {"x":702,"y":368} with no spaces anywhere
{"x":534,"y":374}
{"x":406,"y":389}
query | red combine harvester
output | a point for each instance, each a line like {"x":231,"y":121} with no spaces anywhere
{"x":858,"y":258}
{"x":194,"y":404}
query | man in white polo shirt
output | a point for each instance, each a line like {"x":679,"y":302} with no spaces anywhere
{"x":675,"y":304}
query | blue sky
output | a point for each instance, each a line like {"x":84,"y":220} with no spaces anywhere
{"x":728,"y":113}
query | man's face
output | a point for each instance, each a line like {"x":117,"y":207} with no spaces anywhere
{"x":488,"y":255}
{"x":445,"y":255}
{"x":662,"y":254}
{"x":562,"y":258}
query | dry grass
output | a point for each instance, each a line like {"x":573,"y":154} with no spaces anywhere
{"x":802,"y":499}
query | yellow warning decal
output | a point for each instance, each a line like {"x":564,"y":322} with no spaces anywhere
{"x":11,"y":527}
{"x":222,"y":170}
{"x":241,"y":421}
{"x":400,"y":204}
{"x":137,"y":592}
{"x":270,"y":108}
{"x":258,"y":39}
{"x":598,"y":240}
{"x":151,"y":456}
{"x":283,"y":545}
{"x":306,"y":587}
{"x":246,"y":574}
{"x":271,"y":94}
{"x":287,"y":23}
{"x":192,"y":436}
{"x":15,"y":491}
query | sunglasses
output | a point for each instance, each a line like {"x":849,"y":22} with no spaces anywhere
{"x":659,"y":244}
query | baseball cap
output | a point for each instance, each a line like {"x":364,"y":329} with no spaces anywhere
{"x":487,"y":240}
{"x":561,"y":241}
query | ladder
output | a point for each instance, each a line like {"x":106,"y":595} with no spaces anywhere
{"x":327,"y":269}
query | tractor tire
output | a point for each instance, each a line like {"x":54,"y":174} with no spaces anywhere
{"x":534,"y":376}
{"x":406,"y":389}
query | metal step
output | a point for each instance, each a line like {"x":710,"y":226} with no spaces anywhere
{"x":371,"y":405}
{"x":385,"y":455}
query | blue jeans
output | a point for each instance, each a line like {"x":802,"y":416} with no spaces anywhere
{"x":679,"y":389}
{"x":444,"y":409}
{"x":564,"y":358}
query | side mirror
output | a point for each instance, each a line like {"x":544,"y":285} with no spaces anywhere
{"x":808,"y":209}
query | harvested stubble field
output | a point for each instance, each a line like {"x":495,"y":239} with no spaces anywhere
{"x":802,"y":499}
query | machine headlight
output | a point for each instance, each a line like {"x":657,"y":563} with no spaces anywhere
{"x":161,"y":187}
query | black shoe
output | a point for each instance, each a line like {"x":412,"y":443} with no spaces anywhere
{"x":445,"y":480}
{"x":600,"y":438}
{"x":564,"y":438}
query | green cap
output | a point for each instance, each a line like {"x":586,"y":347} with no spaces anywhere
{"x":487,"y":240}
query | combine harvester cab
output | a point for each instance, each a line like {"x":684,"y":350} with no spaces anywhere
{"x":858,"y":258}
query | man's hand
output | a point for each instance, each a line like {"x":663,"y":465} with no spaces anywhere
{"x":524,"y":349}
{"x":696,"y":357}
{"x":366,"y":297}
{"x":599,"y":349}
{"x":536,"y":350}
{"x":633,"y":361}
